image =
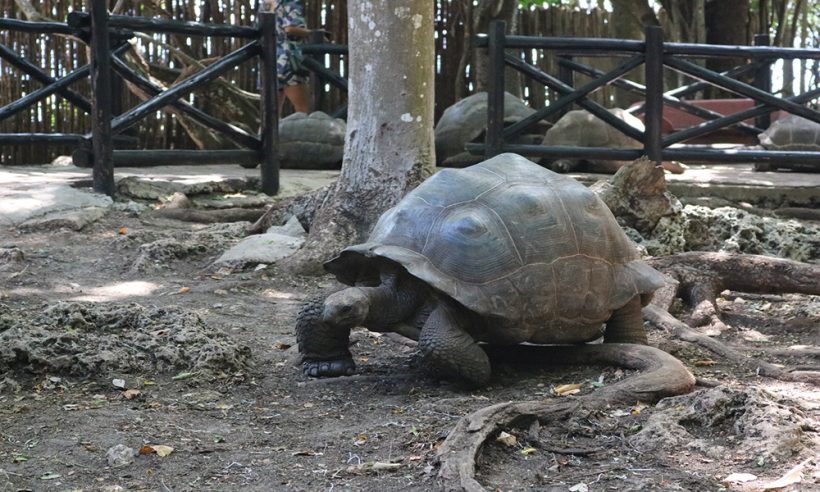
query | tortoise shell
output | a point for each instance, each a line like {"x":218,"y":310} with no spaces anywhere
{"x":510,"y":240}
{"x":580,"y":128}
{"x":792,"y":133}
{"x":314,"y":141}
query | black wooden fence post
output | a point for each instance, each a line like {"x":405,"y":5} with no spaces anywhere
{"x":567,"y":76}
{"x":763,"y":80}
{"x":101,"y":142}
{"x":270,"y":107}
{"x":654,"y":94}
{"x":495,"y":89}
{"x":318,"y":85}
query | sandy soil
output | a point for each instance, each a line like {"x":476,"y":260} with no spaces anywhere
{"x":244,"y":417}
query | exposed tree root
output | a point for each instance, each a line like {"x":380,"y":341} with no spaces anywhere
{"x":666,"y":321}
{"x":303,"y":207}
{"x":662,"y":375}
{"x":211,"y":216}
{"x":703,"y":276}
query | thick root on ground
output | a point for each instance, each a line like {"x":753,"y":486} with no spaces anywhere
{"x":666,"y":321}
{"x":702,"y":277}
{"x":662,"y":375}
{"x":698,"y":278}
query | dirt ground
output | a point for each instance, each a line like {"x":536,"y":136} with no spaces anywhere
{"x":138,"y":343}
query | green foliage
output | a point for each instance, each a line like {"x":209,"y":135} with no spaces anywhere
{"x":538,"y":3}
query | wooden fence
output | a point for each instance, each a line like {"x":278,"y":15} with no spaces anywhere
{"x":59,"y":55}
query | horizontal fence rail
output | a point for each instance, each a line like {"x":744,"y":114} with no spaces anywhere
{"x":655,"y":55}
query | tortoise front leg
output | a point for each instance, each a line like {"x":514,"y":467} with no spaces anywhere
{"x":324,"y":348}
{"x":449,"y":351}
{"x":626,"y":324}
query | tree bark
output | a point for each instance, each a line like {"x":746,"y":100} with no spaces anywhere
{"x":726,"y":23}
{"x":389,"y":142}
{"x":484,"y":12}
{"x":629,"y":18}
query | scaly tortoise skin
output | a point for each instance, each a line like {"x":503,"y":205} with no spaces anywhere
{"x":501,"y":252}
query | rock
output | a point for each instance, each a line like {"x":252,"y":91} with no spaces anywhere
{"x":85,"y":338}
{"x":749,"y":424}
{"x":291,"y":228}
{"x":261,"y":248}
{"x":732,"y":230}
{"x":130,"y":207}
{"x":120,"y":455}
{"x":74,"y":219}
{"x":637,"y":195}
{"x":11,"y":257}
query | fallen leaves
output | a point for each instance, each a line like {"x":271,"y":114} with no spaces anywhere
{"x":372,"y":467}
{"x":793,"y":476}
{"x":184,"y":375}
{"x":158,"y":449}
{"x":567,"y":389}
{"x":506,"y":439}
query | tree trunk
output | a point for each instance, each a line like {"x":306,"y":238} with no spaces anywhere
{"x":629,"y":18}
{"x":485,"y":12}
{"x":389,"y":142}
{"x":726,"y":23}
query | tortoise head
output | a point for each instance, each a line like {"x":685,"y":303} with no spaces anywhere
{"x":346,"y":308}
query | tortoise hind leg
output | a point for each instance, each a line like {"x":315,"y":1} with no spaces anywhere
{"x":626,"y":324}
{"x":449,"y":351}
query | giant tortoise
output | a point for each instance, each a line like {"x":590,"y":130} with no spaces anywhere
{"x":790,"y":133}
{"x":580,"y":128}
{"x":314,"y":141}
{"x":466,"y":121}
{"x":502,"y":252}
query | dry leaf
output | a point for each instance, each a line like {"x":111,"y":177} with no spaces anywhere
{"x":146,"y":450}
{"x":795,"y":475}
{"x":131,"y":394}
{"x":506,"y":439}
{"x":372,"y":467}
{"x":567,"y":389}
{"x":306,"y":453}
{"x":123,"y":231}
{"x":704,"y":363}
{"x":118,"y":383}
{"x":740,"y":477}
{"x":183,"y":290}
{"x":163,"y":450}
{"x":281,"y":346}
{"x":528,"y":451}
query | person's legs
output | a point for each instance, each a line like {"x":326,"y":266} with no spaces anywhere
{"x":298,"y":95}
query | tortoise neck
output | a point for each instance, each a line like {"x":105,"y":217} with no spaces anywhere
{"x":394,"y":300}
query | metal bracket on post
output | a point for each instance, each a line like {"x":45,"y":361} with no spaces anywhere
{"x":101,"y":102}
{"x":269,"y":104}
{"x":495,"y":89}
{"x":653,"y":64}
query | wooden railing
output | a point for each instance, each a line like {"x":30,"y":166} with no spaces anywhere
{"x":107,"y":36}
{"x":655,"y":55}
